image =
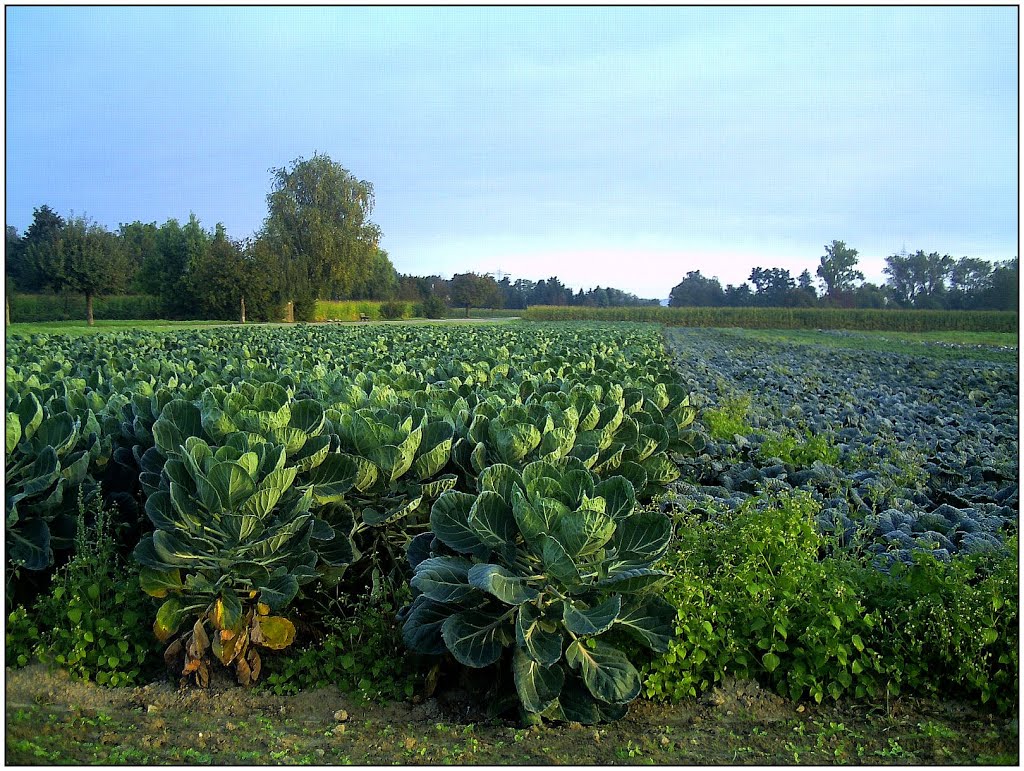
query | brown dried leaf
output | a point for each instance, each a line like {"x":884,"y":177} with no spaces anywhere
{"x":203,"y":674}
{"x":172,"y":652}
{"x":255,"y":664}
{"x":202,"y":642}
{"x":244,"y":672}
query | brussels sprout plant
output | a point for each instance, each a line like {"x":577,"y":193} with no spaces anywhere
{"x":549,"y":572}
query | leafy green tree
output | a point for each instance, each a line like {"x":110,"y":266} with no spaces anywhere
{"x":696,"y":290}
{"x":219,"y":278}
{"x":138,"y":239}
{"x":318,"y":222}
{"x":12,"y":245}
{"x":805,"y":284}
{"x":88,"y":259}
{"x":264,"y":281}
{"x":164,"y":269}
{"x":472,"y":290}
{"x":739,"y":296}
{"x":837,"y":270}
{"x":869,"y":295}
{"x":773,"y":286}
{"x":918,"y":280}
{"x":27,"y":265}
{"x":381,"y":281}
{"x":967,"y":278}
{"x":1002,"y":288}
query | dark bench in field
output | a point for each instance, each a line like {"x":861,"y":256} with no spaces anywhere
{"x":363,"y":317}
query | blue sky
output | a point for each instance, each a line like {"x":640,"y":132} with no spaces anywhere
{"x":608,"y":146}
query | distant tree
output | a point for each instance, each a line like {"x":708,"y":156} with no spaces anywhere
{"x":968,"y":276}
{"x":696,"y":290}
{"x":139,"y":241}
{"x":738,"y":296}
{"x":1001,"y":291}
{"x":520,"y":294}
{"x":419,"y":288}
{"x":12,"y":260}
{"x":903,"y":278}
{"x":318,"y":221}
{"x":380,"y":281}
{"x":805,"y":284}
{"x":265,"y":295}
{"x":551,"y":292}
{"x":869,"y":295}
{"x":773,"y":287}
{"x":164,"y":270}
{"x":36,"y":250}
{"x":837,"y":270}
{"x":918,"y":280}
{"x":218,"y":280}
{"x":472,"y":290}
{"x":88,"y":260}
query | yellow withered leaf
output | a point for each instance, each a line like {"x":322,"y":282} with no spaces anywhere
{"x":276,"y":632}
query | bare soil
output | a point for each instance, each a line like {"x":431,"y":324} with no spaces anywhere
{"x":53,"y":719}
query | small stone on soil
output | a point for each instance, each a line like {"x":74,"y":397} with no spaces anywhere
{"x":341,"y":716}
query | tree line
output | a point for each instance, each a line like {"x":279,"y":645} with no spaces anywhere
{"x":317,"y":242}
{"x":922,"y":281}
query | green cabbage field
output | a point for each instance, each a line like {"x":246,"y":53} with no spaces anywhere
{"x":556,"y":518}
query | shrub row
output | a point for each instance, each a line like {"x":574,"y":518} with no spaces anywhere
{"x":71,"y":307}
{"x":349,"y":310}
{"x":788,"y":318}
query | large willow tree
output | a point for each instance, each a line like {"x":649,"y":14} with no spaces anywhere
{"x":318,"y":224}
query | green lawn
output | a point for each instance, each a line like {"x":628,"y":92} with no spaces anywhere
{"x":76,"y":328}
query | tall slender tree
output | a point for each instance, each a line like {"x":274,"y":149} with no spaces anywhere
{"x":318,"y":222}
{"x":838,"y":270}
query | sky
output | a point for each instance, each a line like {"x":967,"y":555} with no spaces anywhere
{"x":608,"y":146}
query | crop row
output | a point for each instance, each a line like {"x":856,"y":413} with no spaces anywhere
{"x":504,"y":467}
{"x":788,"y":318}
{"x":901,"y":452}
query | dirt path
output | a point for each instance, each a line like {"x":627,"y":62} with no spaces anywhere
{"x":52,"y":719}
